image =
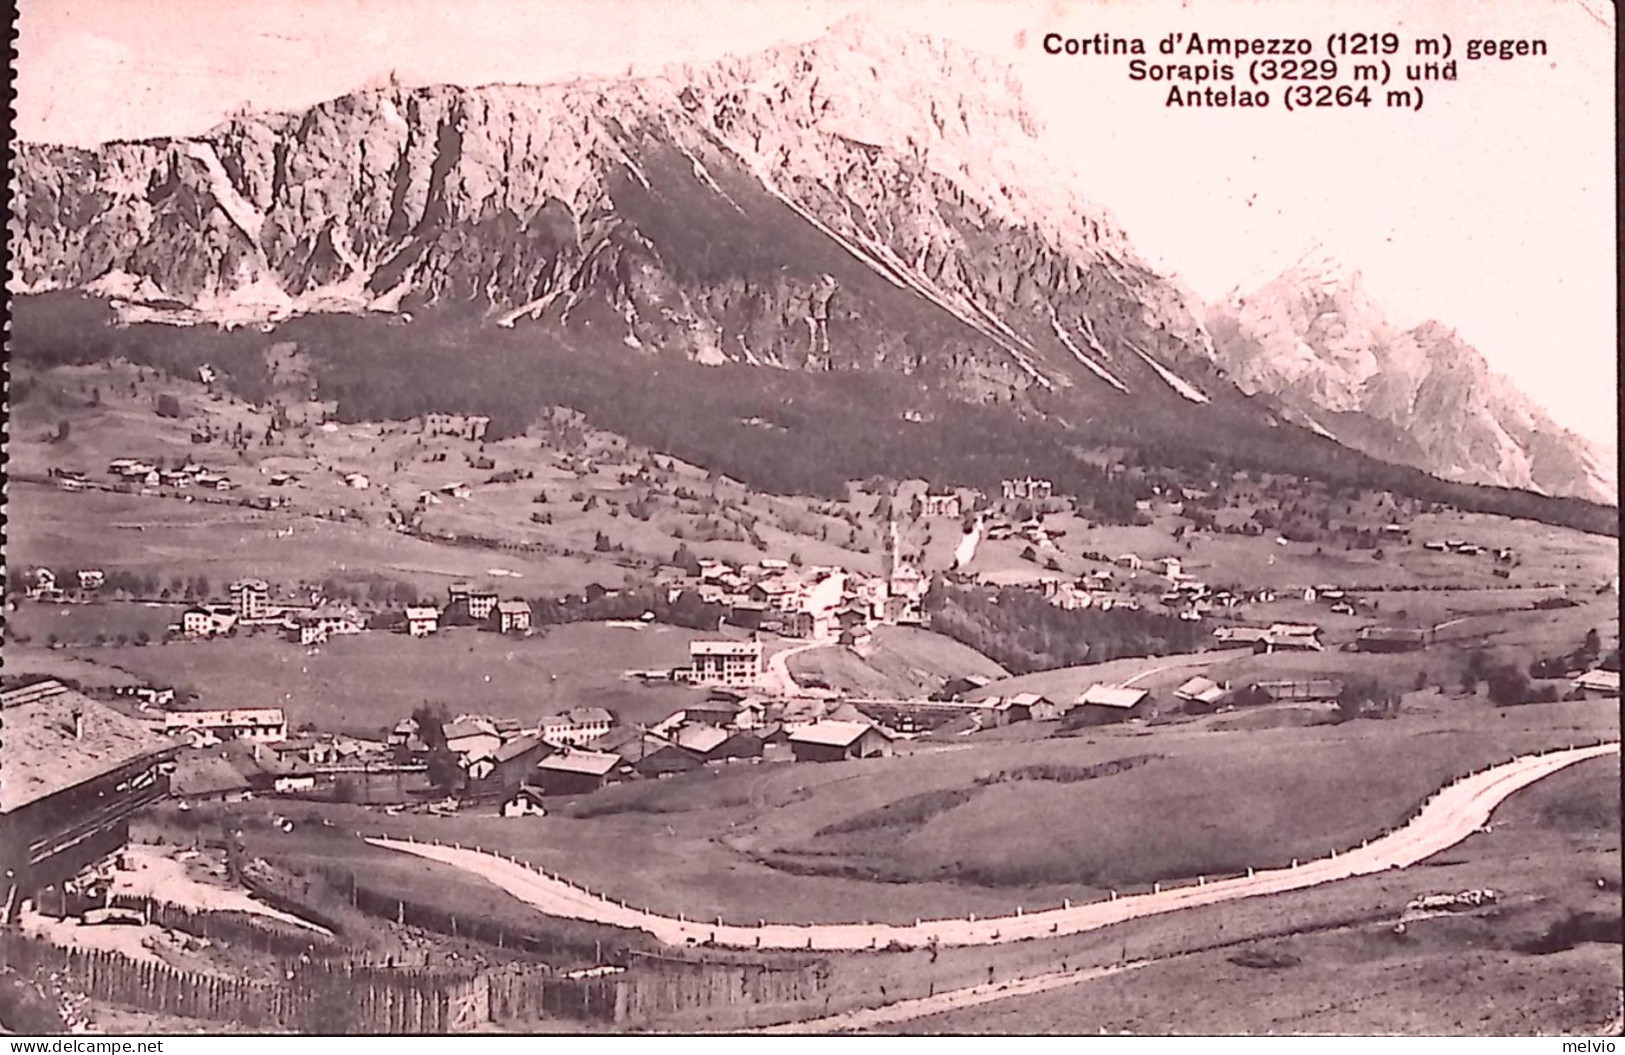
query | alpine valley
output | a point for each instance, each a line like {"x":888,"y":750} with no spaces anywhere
{"x":872,"y":201}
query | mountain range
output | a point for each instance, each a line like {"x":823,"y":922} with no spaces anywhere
{"x":872,"y":200}
{"x":1313,"y":338}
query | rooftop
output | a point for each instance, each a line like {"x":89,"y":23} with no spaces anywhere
{"x":459,"y":730}
{"x":272,"y":716}
{"x":616,"y":740}
{"x":1599,"y":680}
{"x":1391,"y":633}
{"x":41,"y":754}
{"x":831,"y":733}
{"x":1102,"y":696}
{"x":1204,"y":690}
{"x":725,"y":648}
{"x":1196,"y":686}
{"x":701,"y":739}
{"x":592,"y":763}
{"x":516,"y":747}
{"x":206,"y":773}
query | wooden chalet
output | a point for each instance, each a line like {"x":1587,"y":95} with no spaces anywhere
{"x":74,"y":772}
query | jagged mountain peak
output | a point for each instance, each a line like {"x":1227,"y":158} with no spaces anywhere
{"x":872,"y":197}
{"x":1313,"y":338}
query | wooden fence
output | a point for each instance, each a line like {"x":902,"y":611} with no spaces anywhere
{"x":346,"y":998}
{"x":313,"y":997}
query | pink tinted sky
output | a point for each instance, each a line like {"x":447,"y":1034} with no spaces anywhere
{"x":1492,"y":210}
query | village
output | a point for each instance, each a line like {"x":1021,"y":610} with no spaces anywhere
{"x":552,"y":646}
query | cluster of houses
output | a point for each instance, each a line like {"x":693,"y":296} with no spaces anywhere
{"x":1502,"y":554}
{"x":1111,"y":704}
{"x":137,"y":472}
{"x":1277,"y":637}
{"x":583,"y":749}
{"x":463,"y":426}
{"x":819,"y":602}
{"x":1100,"y":590}
{"x":1027,"y":489}
{"x":250,"y":605}
{"x":478,"y":605}
{"x":42,"y":583}
{"x":954,"y":503}
{"x":77,"y":769}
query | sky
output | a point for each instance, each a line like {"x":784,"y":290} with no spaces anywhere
{"x":1491,"y":210}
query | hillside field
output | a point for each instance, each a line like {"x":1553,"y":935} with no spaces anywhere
{"x":365,"y":683}
{"x":904,"y":662}
{"x":1552,"y":854}
{"x":697,"y":843}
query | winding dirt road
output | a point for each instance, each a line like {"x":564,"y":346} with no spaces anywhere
{"x":863,"y":1018}
{"x":778,"y":676}
{"x":1449,"y":816}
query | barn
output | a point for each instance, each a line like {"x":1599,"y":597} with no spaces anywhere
{"x":1390,"y":639}
{"x":573,"y":772}
{"x":509,"y":767}
{"x":1201,"y":695}
{"x":1599,"y":684}
{"x":75,"y":772}
{"x":1024,"y":707}
{"x":708,"y":743}
{"x":1101,"y":705}
{"x":829,"y":741}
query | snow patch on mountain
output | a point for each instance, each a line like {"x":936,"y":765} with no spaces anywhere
{"x":247,"y":218}
{"x":1175,"y":382}
{"x":1094,"y":367}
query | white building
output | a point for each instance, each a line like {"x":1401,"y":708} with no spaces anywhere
{"x":209,"y":620}
{"x":310,"y":628}
{"x":251,"y":599}
{"x":941,"y":504}
{"x":513,"y":616}
{"x":1027,"y":488}
{"x":422,"y":620}
{"x":577,"y":726}
{"x":263,"y":725}
{"x":734,"y":663}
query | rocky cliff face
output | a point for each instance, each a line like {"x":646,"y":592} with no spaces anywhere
{"x":870,"y":199}
{"x":1313,"y":338}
